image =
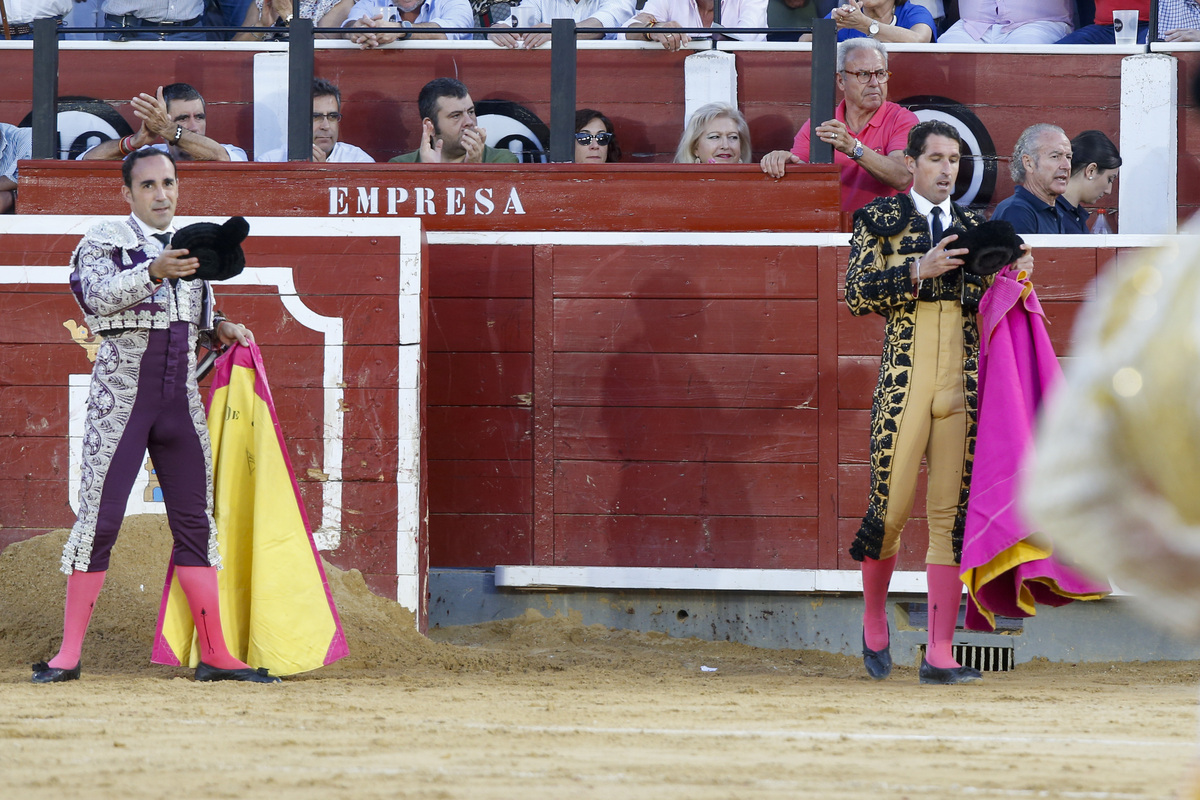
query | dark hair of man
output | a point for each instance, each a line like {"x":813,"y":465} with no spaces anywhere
{"x":323,"y":88}
{"x":585,"y":115}
{"x":138,"y":155}
{"x":180,"y":91}
{"x":435,"y":90}
{"x":921,"y":132}
{"x":1093,"y":147}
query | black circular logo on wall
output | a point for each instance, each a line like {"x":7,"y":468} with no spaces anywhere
{"x":977,"y":170}
{"x":511,"y":126}
{"x":83,"y":123}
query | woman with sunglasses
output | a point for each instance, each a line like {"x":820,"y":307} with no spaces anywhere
{"x":884,"y":20}
{"x":716,"y":134}
{"x":595,"y":142}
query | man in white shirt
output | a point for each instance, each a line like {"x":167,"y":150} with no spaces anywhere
{"x":176,"y":115}
{"x":125,"y":18}
{"x":327,"y":118}
{"x":21,"y":13}
{"x":586,"y":13}
{"x":387,"y":21}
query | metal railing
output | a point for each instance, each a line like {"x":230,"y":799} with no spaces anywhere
{"x":563,"y":76}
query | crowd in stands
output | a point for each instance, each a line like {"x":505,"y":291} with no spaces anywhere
{"x":373,"y":23}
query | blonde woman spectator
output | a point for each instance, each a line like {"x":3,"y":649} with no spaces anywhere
{"x":716,"y":134}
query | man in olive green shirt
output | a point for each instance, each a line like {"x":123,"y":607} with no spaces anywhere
{"x":449,"y":134}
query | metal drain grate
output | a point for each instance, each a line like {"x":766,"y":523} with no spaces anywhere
{"x":982,"y":657}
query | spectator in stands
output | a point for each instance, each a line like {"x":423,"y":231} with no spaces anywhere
{"x":1010,"y":22}
{"x":326,"y":119}
{"x":274,"y":15}
{"x":657,"y":19}
{"x":15,"y":144}
{"x":387,"y":21}
{"x":538,"y":13}
{"x":1102,"y":31}
{"x":716,"y":134}
{"x":791,"y":14}
{"x":22,"y":13}
{"x":449,"y":134}
{"x":868,"y":133}
{"x":1041,"y":168}
{"x":1095,"y":162}
{"x":124,"y":20}
{"x":885,"y":20}
{"x":176,"y":115}
{"x":595,"y":139}
{"x":1179,"y":20}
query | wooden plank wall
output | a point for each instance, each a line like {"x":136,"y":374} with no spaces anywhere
{"x":661,"y":406}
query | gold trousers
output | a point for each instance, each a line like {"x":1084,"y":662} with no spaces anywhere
{"x":934,"y":427}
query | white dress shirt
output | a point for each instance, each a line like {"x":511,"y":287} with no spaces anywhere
{"x":342,"y":153}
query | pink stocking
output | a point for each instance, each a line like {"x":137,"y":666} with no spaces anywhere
{"x":945,"y":594}
{"x":200,"y":586}
{"x":876,"y":575}
{"x":82,"y":590}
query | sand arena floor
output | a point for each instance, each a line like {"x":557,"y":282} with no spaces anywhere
{"x":550,"y":708}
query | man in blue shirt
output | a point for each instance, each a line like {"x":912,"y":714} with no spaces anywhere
{"x":1041,"y":167}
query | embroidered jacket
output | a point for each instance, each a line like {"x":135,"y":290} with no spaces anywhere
{"x":889,"y":234}
{"x":111,"y":282}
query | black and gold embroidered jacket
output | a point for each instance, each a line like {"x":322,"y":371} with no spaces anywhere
{"x":888,"y":235}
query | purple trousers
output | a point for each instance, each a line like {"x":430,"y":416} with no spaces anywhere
{"x":144,"y":400}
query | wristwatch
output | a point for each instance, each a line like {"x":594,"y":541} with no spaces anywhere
{"x":874,"y":29}
{"x":857,"y":152}
{"x":407,"y":29}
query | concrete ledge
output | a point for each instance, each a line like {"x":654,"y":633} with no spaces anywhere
{"x":829,"y":621}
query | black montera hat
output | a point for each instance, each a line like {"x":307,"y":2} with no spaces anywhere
{"x":219,"y":247}
{"x":992,"y":245}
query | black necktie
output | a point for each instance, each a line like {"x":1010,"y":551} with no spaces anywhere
{"x":165,"y":240}
{"x":935,"y":227}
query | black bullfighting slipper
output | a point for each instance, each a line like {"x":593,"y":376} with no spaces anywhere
{"x":44,"y":673}
{"x":205,"y":673}
{"x":877,"y":662}
{"x":946,"y":677}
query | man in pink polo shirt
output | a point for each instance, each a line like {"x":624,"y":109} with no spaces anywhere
{"x":868,"y":133}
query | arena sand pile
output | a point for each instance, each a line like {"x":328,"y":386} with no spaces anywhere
{"x":381,"y":634}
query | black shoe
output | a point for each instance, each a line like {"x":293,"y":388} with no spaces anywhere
{"x":877,"y":662}
{"x":945,"y":677}
{"x":206,"y":673}
{"x":44,"y":673}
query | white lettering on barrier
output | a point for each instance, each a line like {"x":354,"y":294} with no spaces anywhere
{"x":421,"y":201}
{"x":454,"y":200}
{"x":396,"y":196}
{"x":425,"y":201}
{"x":483,"y":202}
{"x":337,"y":200}
{"x":368,"y":200}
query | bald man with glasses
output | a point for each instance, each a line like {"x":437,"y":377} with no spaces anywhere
{"x":327,"y":118}
{"x":868,"y":133}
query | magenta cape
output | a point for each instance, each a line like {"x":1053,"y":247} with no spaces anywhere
{"x":276,"y":608}
{"x":1007,"y":567}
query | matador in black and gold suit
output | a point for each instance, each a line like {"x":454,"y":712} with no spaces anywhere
{"x":924,"y":406}
{"x":888,"y":235}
